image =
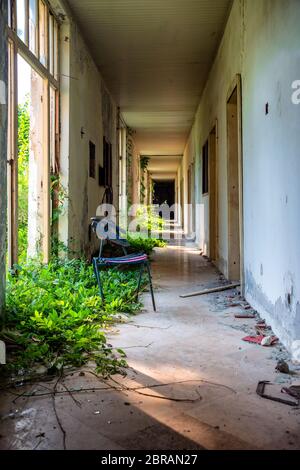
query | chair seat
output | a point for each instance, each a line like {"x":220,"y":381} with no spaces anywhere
{"x":136,"y":258}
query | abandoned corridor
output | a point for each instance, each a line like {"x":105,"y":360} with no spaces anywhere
{"x":136,"y":102}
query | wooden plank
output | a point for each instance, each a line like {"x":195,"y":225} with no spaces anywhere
{"x":212,"y":290}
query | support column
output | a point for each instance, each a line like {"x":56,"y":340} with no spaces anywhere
{"x":38,"y":197}
{"x":3,"y":146}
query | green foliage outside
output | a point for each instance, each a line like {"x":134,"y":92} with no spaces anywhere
{"x":23,"y":174}
{"x":149,"y":221}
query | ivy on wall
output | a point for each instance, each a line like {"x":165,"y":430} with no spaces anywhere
{"x":129,"y":157}
{"x":144,"y":162}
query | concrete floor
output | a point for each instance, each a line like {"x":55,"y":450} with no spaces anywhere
{"x":196,"y":380}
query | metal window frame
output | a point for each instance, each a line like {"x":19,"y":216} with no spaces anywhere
{"x":17,"y":46}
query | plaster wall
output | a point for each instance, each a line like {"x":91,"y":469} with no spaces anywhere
{"x":89,"y":114}
{"x":261,"y":42}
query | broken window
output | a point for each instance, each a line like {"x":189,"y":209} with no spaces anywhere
{"x":33,"y":26}
{"x":51,"y":44}
{"x":32,"y":129}
{"x":43,"y":35}
{"x":21,"y":19}
{"x":205,"y":168}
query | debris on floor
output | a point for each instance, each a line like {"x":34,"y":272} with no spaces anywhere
{"x":261,"y":339}
{"x":211,"y":291}
{"x":254,"y":339}
{"x":282,"y":367}
{"x":244,"y":315}
{"x":293,"y":391}
{"x":269,"y":340}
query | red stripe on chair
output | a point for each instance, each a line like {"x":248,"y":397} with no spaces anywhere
{"x":125,"y":260}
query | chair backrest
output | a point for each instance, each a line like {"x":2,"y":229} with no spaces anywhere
{"x":107,"y":230}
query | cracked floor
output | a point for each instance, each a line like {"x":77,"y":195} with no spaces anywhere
{"x":191,"y":383}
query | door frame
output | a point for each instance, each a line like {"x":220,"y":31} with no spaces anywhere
{"x":237,"y":84}
{"x":213,"y":192}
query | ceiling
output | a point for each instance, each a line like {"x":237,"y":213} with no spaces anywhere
{"x":154,"y":56}
{"x":164,"y":166}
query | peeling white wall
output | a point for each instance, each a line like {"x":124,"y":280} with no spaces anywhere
{"x":83,"y":121}
{"x":272,"y":164}
{"x":261,"y":42}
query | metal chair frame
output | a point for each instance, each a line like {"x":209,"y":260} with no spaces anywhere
{"x":135,"y":259}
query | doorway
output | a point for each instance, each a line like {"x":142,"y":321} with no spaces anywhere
{"x":164,"y":193}
{"x":234,"y":179}
{"x":213,"y":195}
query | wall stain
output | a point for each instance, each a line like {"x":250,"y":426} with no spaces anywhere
{"x":283,"y":315}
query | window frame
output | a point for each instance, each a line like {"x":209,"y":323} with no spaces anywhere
{"x":205,"y":169}
{"x":19,"y":47}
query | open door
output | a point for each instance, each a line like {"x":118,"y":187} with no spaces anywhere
{"x":235,"y":183}
{"x":213,"y":195}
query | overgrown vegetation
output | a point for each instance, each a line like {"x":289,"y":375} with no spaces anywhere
{"x":145,"y":244}
{"x":149,"y":230}
{"x":55,"y":317}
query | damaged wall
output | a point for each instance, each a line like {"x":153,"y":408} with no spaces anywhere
{"x":261,"y":42}
{"x":272,"y":164}
{"x":3,"y":146}
{"x":88,"y":114}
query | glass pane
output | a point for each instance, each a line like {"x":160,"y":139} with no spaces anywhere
{"x":24,"y":144}
{"x":51,"y":44}
{"x":21,"y":15}
{"x":33,"y":30}
{"x":9,"y":12}
{"x":55,"y":50}
{"x":43,"y":33}
{"x":10,"y":157}
{"x":52,"y":128}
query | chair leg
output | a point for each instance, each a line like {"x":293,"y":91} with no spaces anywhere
{"x":151,"y":286}
{"x":140,"y":280}
{"x":98,"y":277}
{"x":101,"y":248}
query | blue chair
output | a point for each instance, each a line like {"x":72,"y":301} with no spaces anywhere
{"x":134,"y":259}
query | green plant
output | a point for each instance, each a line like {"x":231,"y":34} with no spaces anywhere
{"x":55,"y":317}
{"x":145,"y":244}
{"x":58,"y":196}
{"x":148,"y":220}
{"x":149,"y":230}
